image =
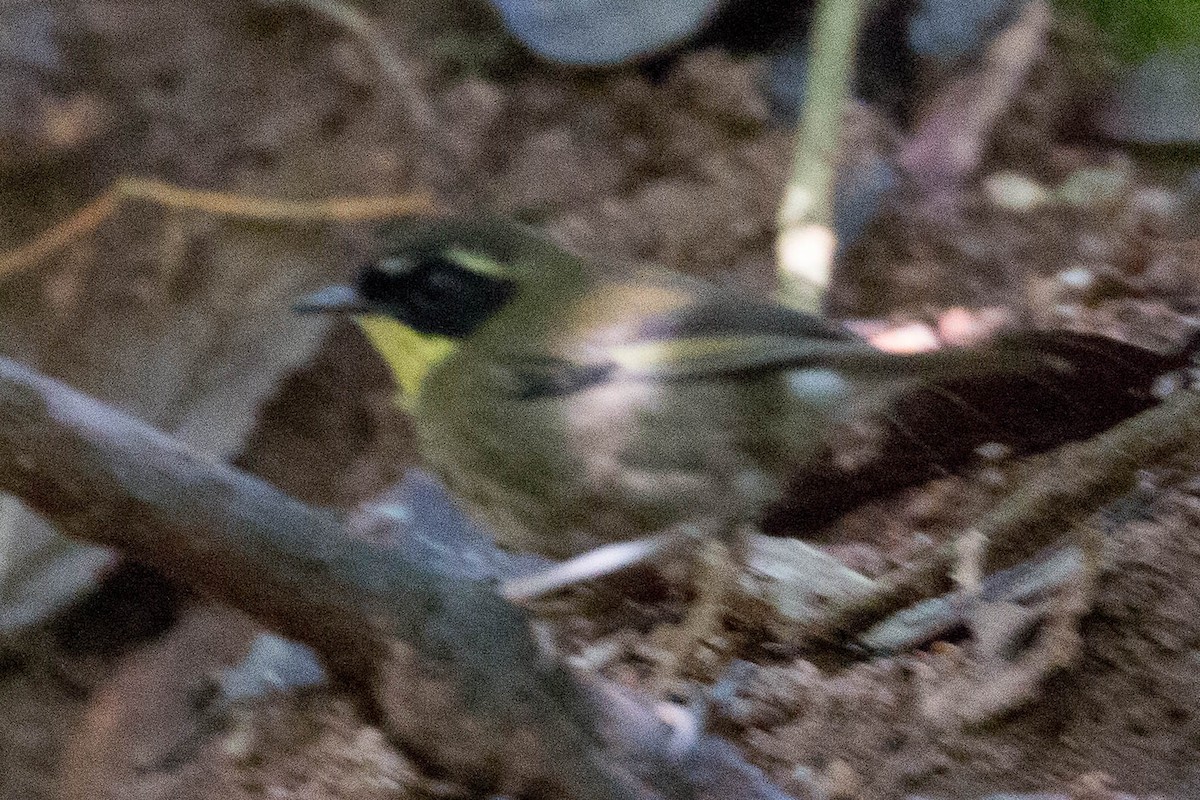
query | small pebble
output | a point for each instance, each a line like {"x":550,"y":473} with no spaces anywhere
{"x":1012,"y":191}
{"x":1078,"y":279}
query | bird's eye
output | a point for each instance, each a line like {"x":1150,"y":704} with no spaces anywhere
{"x":440,"y":284}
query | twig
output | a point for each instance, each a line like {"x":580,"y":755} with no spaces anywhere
{"x":451,"y":669}
{"x":77,"y":226}
{"x":950,"y":142}
{"x":806,"y":240}
{"x":221,"y":204}
{"x":418,"y":111}
{"x":1084,"y":477}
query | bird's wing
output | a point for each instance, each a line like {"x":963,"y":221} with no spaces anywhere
{"x":736,"y":315}
{"x":727,"y":335}
{"x":722,"y":334}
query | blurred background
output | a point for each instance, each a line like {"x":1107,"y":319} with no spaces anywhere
{"x":1002,"y":163}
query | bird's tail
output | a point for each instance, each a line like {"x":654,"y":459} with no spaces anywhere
{"x":1030,"y":391}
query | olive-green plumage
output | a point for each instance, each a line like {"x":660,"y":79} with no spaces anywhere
{"x":573,"y":405}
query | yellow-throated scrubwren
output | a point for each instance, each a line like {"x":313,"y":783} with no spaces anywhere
{"x":573,"y":405}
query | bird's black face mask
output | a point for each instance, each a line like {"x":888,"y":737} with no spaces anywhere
{"x":434,"y":293}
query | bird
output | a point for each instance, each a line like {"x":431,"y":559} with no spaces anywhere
{"x":579,"y":407}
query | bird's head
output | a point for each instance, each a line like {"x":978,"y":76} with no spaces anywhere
{"x":436,"y":284}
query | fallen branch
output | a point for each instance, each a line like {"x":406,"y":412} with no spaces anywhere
{"x":448,"y":668}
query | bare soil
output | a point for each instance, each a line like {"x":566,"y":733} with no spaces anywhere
{"x":686,"y":172}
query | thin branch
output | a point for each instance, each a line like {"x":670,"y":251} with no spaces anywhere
{"x":220,"y":204}
{"x":349,"y":208}
{"x":80,"y":224}
{"x":418,"y":112}
{"x":954,"y":132}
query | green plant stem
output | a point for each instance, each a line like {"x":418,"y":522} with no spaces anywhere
{"x":806,"y":241}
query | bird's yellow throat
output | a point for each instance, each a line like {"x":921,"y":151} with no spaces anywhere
{"x":409,"y":355}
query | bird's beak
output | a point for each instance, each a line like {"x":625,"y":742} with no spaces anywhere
{"x":332,"y":300}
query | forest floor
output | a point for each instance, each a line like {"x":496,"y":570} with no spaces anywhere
{"x":686,"y":171}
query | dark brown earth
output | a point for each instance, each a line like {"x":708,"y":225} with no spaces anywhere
{"x":238,"y":96}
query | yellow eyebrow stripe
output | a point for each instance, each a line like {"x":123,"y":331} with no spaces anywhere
{"x":476,"y":262}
